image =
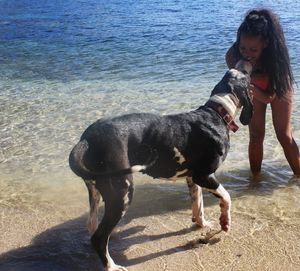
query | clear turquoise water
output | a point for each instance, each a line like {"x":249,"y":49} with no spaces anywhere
{"x":65,"y":64}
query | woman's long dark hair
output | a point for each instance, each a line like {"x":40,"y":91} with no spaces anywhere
{"x":275,"y":58}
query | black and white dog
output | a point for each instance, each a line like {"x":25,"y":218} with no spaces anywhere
{"x":191,"y":145}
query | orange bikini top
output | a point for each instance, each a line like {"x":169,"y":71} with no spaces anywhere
{"x":260,"y":79}
{"x":261,"y":82}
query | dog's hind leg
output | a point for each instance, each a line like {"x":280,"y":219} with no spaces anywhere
{"x":94,"y":199}
{"x":117,"y":196}
{"x":211,"y":184}
{"x":197,"y":203}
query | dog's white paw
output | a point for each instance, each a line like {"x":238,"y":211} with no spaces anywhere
{"x":202,"y":223}
{"x":225,"y":221}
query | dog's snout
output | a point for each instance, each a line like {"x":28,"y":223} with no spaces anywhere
{"x":236,"y":74}
{"x":244,"y":66}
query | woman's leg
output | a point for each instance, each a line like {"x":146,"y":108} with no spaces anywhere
{"x":281,"y":114}
{"x":257,"y":134}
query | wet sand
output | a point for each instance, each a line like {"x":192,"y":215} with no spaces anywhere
{"x":156,"y":234}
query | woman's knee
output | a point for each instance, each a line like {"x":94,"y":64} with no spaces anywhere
{"x":256,"y":137}
{"x":285,"y":138}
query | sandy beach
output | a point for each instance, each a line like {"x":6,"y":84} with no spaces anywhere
{"x":156,"y":234}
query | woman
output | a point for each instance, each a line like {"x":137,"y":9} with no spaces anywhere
{"x":260,"y":40}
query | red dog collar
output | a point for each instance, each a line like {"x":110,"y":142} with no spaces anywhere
{"x":224,"y":115}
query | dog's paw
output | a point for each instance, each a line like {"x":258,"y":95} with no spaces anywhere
{"x":225,"y":218}
{"x":202,"y":223}
{"x":225,"y":222}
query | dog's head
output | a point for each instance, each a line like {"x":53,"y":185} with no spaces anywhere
{"x":237,"y":81}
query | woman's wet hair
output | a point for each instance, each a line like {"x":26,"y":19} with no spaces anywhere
{"x":263,"y":23}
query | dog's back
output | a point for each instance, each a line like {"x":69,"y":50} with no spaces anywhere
{"x":131,"y":140}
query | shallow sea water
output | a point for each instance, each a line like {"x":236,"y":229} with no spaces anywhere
{"x":64,"y":65}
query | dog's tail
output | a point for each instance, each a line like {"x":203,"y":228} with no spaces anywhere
{"x":76,"y":161}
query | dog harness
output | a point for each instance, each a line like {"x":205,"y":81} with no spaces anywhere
{"x":226,"y":117}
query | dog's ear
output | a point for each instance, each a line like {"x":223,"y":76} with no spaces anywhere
{"x":247,"y":110}
{"x":223,"y":86}
{"x":240,"y":84}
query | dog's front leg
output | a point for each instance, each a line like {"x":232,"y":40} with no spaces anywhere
{"x":211,"y":184}
{"x":197,"y":203}
{"x":117,"y":196}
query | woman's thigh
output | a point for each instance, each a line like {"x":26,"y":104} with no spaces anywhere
{"x":281,"y":114}
{"x":257,"y":124}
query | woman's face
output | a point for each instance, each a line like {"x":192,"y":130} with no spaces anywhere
{"x":251,"y":47}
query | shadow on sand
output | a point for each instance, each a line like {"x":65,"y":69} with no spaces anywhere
{"x":61,"y":248}
{"x":66,"y":247}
